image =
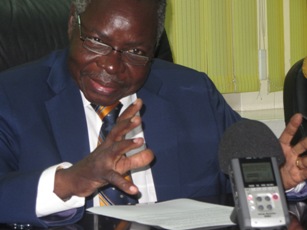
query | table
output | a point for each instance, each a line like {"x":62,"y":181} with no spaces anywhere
{"x":96,"y":222}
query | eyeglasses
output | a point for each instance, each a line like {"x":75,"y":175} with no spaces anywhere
{"x":128,"y":56}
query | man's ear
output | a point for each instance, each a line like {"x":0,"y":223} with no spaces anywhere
{"x":71,"y":21}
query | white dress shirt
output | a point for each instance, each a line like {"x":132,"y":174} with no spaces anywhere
{"x":48,"y":202}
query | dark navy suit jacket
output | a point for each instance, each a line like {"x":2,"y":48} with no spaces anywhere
{"x":42,"y":123}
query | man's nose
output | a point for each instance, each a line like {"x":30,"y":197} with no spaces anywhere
{"x":111,"y":63}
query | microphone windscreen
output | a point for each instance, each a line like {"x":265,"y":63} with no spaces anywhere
{"x":248,"y":138}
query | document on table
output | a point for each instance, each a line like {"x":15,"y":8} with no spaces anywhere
{"x":174,"y":214}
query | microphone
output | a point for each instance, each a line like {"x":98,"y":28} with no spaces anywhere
{"x":248,"y":138}
{"x":250,"y":154}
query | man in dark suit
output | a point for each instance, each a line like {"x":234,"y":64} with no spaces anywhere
{"x":50,"y":168}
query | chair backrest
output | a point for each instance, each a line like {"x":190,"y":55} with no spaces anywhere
{"x":295,"y":95}
{"x":31,"y":29}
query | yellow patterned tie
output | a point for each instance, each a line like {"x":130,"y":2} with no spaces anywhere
{"x":108,"y":114}
{"x":110,"y":195}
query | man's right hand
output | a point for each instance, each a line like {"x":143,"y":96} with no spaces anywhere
{"x":108,"y":162}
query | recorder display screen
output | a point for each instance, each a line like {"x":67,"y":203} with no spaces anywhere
{"x":257,"y":172}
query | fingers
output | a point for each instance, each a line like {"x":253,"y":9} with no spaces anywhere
{"x":108,"y":162}
{"x":126,"y":122}
{"x":131,"y":110}
{"x":122,"y":183}
{"x":290,"y":170}
{"x":299,"y":163}
{"x":123,"y":127}
{"x":112,"y":153}
{"x":294,"y":170}
{"x":111,"y":163}
{"x":101,"y":167}
{"x":125,"y":164}
{"x":300,"y":147}
{"x":291,"y":128}
{"x":120,"y":162}
{"x":301,"y":168}
{"x":137,"y":160}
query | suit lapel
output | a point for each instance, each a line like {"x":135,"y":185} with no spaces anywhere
{"x":159,"y":125}
{"x":66,"y":114}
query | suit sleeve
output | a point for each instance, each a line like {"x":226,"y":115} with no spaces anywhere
{"x":224,"y":115}
{"x":18,"y":187}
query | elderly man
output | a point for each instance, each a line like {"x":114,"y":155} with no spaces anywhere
{"x":164,"y":142}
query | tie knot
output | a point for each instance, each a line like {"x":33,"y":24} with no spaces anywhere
{"x":113,"y":114}
{"x":107,"y":113}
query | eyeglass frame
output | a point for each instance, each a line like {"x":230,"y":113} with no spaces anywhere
{"x":124,"y":53}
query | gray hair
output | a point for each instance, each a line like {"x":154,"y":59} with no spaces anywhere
{"x":82,"y":4}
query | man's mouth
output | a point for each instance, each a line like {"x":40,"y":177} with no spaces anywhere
{"x":102,"y":87}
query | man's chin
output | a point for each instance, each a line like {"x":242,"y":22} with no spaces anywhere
{"x":101,"y":100}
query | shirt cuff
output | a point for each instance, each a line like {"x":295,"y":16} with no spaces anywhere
{"x":297,"y":193}
{"x":47,"y":202}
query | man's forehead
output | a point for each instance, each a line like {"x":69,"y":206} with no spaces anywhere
{"x":106,"y":4}
{"x":144,"y":10}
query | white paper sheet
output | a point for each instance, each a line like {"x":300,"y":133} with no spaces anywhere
{"x":176,"y":214}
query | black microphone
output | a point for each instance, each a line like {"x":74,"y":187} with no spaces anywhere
{"x":248,"y":138}
{"x":250,"y":154}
